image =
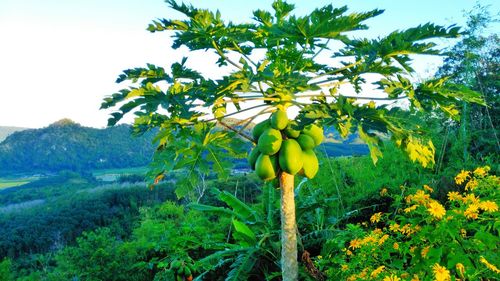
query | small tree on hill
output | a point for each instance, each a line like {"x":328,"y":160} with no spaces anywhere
{"x":273,"y":64}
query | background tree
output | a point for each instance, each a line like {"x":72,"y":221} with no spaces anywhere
{"x":475,"y":62}
{"x":273,"y":63}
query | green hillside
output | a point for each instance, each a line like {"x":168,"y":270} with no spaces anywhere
{"x":66,"y":145}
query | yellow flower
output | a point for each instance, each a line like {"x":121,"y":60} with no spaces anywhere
{"x":383,"y":192}
{"x":441,"y":273}
{"x":349,"y":253}
{"x":383,"y":239}
{"x":376,"y":217}
{"x":471,"y":198}
{"x":425,"y":251}
{"x":463,"y":232}
{"x":460,"y":178}
{"x":355,"y":244}
{"x":428,"y":188}
{"x":437,"y":210}
{"x":377,"y":271}
{"x":471,"y":185}
{"x":344,"y":267}
{"x":488,"y":206}
{"x":394,"y":227}
{"x":460,"y":269}
{"x":481,"y":171}
{"x":409,"y":209}
{"x":472,"y":211}
{"x":395,"y":245}
{"x":454,"y":196}
{"x":392,"y":278}
{"x":489,"y":265}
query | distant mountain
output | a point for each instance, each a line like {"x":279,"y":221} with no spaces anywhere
{"x":66,"y":145}
{"x":6,"y":131}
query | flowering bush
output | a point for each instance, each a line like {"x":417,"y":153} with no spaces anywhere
{"x":422,"y":238}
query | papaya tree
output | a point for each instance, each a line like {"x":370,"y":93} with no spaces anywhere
{"x":280,"y":64}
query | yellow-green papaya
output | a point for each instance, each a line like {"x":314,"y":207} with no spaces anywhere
{"x":311,"y":165}
{"x":260,"y":128}
{"x":290,"y":130}
{"x":252,"y":157}
{"x":270,"y":141}
{"x":290,"y":156}
{"x":266,"y":167}
{"x":306,"y":142}
{"x":279,"y":120}
{"x":315,"y":132}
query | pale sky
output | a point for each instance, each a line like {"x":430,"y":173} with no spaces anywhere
{"x":59,"y":59}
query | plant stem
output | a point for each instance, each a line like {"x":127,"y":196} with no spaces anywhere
{"x":289,"y":264}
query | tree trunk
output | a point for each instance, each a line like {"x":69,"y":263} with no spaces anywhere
{"x":289,"y":265}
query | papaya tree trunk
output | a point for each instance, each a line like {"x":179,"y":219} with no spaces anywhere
{"x":289,"y":265}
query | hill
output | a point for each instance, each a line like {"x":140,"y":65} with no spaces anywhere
{"x":5,"y":131}
{"x":66,"y":145}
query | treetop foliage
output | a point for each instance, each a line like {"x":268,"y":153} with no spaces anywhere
{"x":289,"y":74}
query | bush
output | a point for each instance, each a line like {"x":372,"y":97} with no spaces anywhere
{"x":421,"y":238}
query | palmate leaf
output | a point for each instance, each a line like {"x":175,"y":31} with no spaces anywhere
{"x":242,"y":265}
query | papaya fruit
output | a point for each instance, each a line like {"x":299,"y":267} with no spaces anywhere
{"x":270,"y":141}
{"x":266,"y":167}
{"x":279,"y":120}
{"x":310,"y":163}
{"x":290,"y":156}
{"x":179,"y":278}
{"x":314,"y":132}
{"x":290,"y":130}
{"x":260,"y":128}
{"x":189,"y":278}
{"x":252,"y":157}
{"x":306,"y":142}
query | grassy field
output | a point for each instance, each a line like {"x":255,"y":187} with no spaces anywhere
{"x":6,"y":183}
{"x":113,"y":174}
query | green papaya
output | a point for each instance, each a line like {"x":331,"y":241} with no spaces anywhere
{"x":290,"y":157}
{"x":260,"y":128}
{"x":315,"y":132}
{"x":179,"y":278}
{"x":279,"y":120}
{"x":311,"y":165}
{"x":252,"y":157}
{"x":270,"y":141}
{"x":266,"y":167}
{"x":290,"y":130}
{"x":306,"y":142}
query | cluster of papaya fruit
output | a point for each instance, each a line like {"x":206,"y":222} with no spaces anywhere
{"x":280,"y":145}
{"x":182,"y":271}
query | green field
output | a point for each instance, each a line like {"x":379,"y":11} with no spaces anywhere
{"x":113,"y":174}
{"x":6,"y":183}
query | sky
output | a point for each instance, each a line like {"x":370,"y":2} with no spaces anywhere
{"x":59,"y":59}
